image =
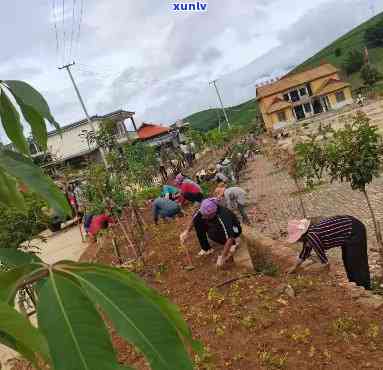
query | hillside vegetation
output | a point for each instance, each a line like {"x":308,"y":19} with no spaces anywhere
{"x":209,"y":119}
{"x":336,"y":53}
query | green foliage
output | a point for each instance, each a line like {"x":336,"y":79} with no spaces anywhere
{"x":374,"y":35}
{"x":369,"y":74}
{"x":148,"y":193}
{"x":311,"y":158}
{"x":105,"y":137}
{"x":338,"y":52}
{"x":197,"y":137}
{"x":17,"y":166}
{"x":353,"y":61}
{"x":68,"y":315}
{"x":18,"y":226}
{"x":354,"y":153}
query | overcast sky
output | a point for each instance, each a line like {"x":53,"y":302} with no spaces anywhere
{"x":142,"y":56}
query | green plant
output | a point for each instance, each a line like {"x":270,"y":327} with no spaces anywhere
{"x":19,"y":226}
{"x":338,"y":52}
{"x":354,"y":61}
{"x":354,"y":155}
{"x":74,"y":299}
{"x":345,"y":327}
{"x":18,"y":165}
{"x":369,"y":74}
{"x":374,"y":35}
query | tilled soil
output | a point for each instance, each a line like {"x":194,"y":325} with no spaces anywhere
{"x":250,"y":324}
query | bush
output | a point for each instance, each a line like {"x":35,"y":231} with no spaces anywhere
{"x":338,"y":52}
{"x":374,"y":35}
{"x":17,"y":226}
{"x":370,"y":74}
{"x":353,"y":61}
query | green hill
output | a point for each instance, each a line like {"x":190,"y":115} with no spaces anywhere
{"x":209,"y":119}
{"x":352,"y":40}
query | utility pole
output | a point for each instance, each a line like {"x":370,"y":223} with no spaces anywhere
{"x":220,"y":100}
{"x":218,"y":117}
{"x":67,"y":67}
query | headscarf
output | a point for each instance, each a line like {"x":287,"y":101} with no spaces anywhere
{"x":179,"y":179}
{"x":209,"y":207}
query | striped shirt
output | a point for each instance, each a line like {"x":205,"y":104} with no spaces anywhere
{"x":328,"y":233}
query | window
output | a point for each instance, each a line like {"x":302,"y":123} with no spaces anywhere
{"x":286,"y":97}
{"x":309,"y":89}
{"x":340,"y":97}
{"x":281,"y":116}
{"x":302,"y":91}
{"x":307,"y":108}
{"x":294,"y":95}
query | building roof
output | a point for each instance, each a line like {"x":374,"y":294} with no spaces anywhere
{"x":296,"y":79}
{"x":116,"y":115}
{"x":150,"y":130}
{"x":330,"y":86}
{"x":277,"y":105}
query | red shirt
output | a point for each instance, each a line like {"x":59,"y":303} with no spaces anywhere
{"x":97,"y":222}
{"x":190,"y":187}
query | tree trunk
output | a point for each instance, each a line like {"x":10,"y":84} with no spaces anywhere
{"x":378,"y":233}
{"x":300,"y":197}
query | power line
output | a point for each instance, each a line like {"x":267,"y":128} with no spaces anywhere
{"x":54,"y":14}
{"x":73,"y":26}
{"x":64,"y":33}
{"x":80,"y":25}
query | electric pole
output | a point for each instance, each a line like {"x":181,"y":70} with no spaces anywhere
{"x":67,"y":67}
{"x":220,"y":100}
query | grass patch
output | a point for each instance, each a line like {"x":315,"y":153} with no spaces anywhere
{"x":345,"y":327}
{"x":273,"y":360}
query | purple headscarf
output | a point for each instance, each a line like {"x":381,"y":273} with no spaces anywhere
{"x":179,"y":179}
{"x":209,"y":207}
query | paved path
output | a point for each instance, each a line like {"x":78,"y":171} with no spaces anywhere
{"x":65,"y":244}
{"x":273,"y":192}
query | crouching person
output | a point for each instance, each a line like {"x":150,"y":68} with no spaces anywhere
{"x":165,"y":208}
{"x":98,"y":223}
{"x":346,"y":232}
{"x":218,"y":224}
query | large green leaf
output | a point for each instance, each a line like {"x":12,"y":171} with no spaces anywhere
{"x":13,"y":257}
{"x":10,"y":119}
{"x":31,"y":97}
{"x":30,"y":174}
{"x":77,"y":336}
{"x":37,"y":123}
{"x":10,"y":280}
{"x":9,"y":193}
{"x":170,"y":310}
{"x":17,"y":333}
{"x":138,"y":318}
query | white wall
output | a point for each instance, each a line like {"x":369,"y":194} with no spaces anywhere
{"x":70,"y":143}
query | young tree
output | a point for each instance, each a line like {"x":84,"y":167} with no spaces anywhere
{"x":338,"y":52}
{"x":74,"y":299}
{"x":354,"y":155}
{"x":370,"y":74}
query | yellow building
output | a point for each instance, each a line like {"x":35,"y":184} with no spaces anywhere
{"x":302,"y":95}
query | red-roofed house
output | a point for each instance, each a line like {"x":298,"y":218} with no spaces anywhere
{"x":156,"y":135}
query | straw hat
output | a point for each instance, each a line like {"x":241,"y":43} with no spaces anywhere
{"x":297,"y":228}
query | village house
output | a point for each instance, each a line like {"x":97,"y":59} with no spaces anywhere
{"x":72,"y":145}
{"x":302,"y":95}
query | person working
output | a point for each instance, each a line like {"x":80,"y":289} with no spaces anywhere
{"x":189,"y":189}
{"x":234,"y":198}
{"x":169,"y":192}
{"x":165,"y":208}
{"x":98,"y":223}
{"x":346,"y":232}
{"x":217,"y":223}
